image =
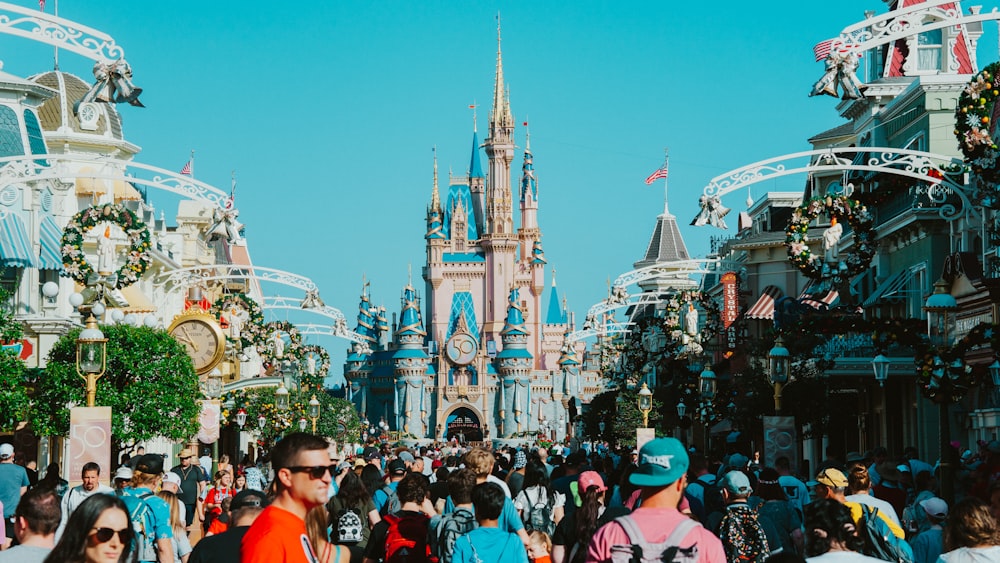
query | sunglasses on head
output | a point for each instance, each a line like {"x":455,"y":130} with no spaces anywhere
{"x":314,"y":471}
{"x":104,"y":535}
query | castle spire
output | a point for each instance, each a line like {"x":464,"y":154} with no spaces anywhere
{"x":435,"y":195}
{"x":500,"y":114}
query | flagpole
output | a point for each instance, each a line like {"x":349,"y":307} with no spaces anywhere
{"x":56,"y":48}
{"x":192,"y":164}
{"x":666,"y":180}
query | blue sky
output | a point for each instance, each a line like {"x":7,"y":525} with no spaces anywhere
{"x":328,"y":111}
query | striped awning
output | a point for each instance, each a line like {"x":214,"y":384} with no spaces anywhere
{"x":817,"y":300}
{"x":49,"y":253}
{"x":764,"y":307}
{"x":893,"y":288}
{"x":15,"y":246}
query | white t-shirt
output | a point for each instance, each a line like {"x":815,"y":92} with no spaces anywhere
{"x":491,"y":478}
{"x":972,"y":555}
{"x":843,"y":557}
{"x":527,"y":497}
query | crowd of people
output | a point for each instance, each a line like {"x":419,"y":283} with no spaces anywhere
{"x":452,"y":504}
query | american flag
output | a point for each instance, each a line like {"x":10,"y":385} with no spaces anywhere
{"x":187,"y":169}
{"x":41,"y":5}
{"x":823,"y":48}
{"x":660,"y":172}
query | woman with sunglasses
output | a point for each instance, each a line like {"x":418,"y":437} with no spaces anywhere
{"x":98,"y":531}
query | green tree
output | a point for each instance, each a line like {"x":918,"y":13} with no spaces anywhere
{"x":338,"y":418}
{"x":619,"y":410}
{"x":149,"y":383}
{"x":14,"y":401}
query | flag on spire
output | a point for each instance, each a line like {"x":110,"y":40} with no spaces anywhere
{"x":660,"y":172}
{"x":187,"y":168}
{"x":232,"y":193}
{"x":41,"y":5}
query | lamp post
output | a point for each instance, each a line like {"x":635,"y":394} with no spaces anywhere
{"x":91,"y":356}
{"x":302,"y":424}
{"x":880,"y":364}
{"x":213,"y":384}
{"x":939,"y":306}
{"x":241,"y":418}
{"x":645,"y":404}
{"x":994,"y":370}
{"x":779,"y":362}
{"x":681,"y":411}
{"x":281,"y":397}
{"x":708,"y":382}
{"x":314,"y":412}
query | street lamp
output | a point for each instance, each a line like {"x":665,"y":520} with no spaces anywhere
{"x":213,"y":384}
{"x":645,"y":404}
{"x":314,"y":411}
{"x":779,"y":362}
{"x":938,"y":307}
{"x":994,"y":370}
{"x":881,"y":366}
{"x":707,"y":379}
{"x":302,"y":424}
{"x":241,"y":417}
{"x":261,"y":422}
{"x":91,"y":356}
{"x":281,"y":397}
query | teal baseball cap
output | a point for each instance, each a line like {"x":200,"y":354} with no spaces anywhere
{"x":661,"y":462}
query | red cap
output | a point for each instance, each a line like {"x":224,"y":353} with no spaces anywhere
{"x":590,"y":479}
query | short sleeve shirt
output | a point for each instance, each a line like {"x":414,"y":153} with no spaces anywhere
{"x":656,"y":525}
{"x":158,"y":506}
{"x":12,"y":478}
{"x":190,"y":476}
{"x":277,"y":535}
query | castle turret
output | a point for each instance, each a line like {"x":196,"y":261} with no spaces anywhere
{"x":477,"y":181}
{"x":514,"y":365}
{"x":356,"y":369}
{"x":410,"y":368}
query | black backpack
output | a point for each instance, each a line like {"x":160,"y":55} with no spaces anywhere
{"x":538,"y":513}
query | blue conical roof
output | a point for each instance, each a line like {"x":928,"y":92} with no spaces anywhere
{"x":556,"y":314}
{"x":475,"y":168}
{"x":537,"y":253}
{"x":409,"y":321}
{"x":366,"y":324}
{"x":515,"y":317}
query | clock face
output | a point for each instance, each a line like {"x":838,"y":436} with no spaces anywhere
{"x":202,"y":341}
{"x":461,"y":349}
{"x":88,"y":113}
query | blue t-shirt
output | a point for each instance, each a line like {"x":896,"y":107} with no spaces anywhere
{"x":510,"y":520}
{"x":489,"y":545}
{"x":158,"y":506}
{"x":12,"y":478}
{"x":381,"y":497}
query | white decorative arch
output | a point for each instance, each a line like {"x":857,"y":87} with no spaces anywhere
{"x":947,"y":175}
{"x":906,"y":22}
{"x":338,"y":329}
{"x":58,"y":32}
{"x":29,"y":168}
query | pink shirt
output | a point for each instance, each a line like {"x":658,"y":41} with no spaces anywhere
{"x":656,"y":525}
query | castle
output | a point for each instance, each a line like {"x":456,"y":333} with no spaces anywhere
{"x":479,"y":358}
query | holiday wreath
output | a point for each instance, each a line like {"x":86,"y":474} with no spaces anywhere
{"x":75,"y":262}
{"x":974,"y":125}
{"x":293,"y":351}
{"x":252,"y":330}
{"x":315,"y":380}
{"x":838,"y":207}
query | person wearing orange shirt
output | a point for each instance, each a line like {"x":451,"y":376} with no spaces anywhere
{"x":302,"y":480}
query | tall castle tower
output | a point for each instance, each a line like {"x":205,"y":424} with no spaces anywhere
{"x":485,"y":361}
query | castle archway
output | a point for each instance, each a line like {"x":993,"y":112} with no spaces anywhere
{"x":463,"y":424}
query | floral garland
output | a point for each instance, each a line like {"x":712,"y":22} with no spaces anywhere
{"x":75,"y":262}
{"x":842,"y":208}
{"x":252,"y":332}
{"x":293,"y":350}
{"x":942,"y":373}
{"x":973,"y":127}
{"x":675,"y":327}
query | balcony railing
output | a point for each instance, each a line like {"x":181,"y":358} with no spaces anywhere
{"x":858,"y":345}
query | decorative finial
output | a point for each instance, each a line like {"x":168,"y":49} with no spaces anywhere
{"x":527,"y":135}
{"x":553,"y":276}
{"x":666,"y":166}
{"x":475,"y":121}
{"x":409,"y":274}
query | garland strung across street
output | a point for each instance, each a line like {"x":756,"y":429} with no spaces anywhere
{"x":943,"y":374}
{"x":250,"y":323}
{"x":137,"y":260}
{"x":839,"y":208}
{"x":974,"y":124}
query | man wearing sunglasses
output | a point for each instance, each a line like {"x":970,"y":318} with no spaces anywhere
{"x":302,"y":480}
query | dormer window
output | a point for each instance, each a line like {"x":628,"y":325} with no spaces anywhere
{"x":929,"y":46}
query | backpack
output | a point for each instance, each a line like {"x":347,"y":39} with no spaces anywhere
{"x":539,"y":513}
{"x":143,"y":524}
{"x":406,"y":539}
{"x":641,"y":551}
{"x":442,"y":538}
{"x":879,"y":540}
{"x":392,"y":504}
{"x":349,"y":527}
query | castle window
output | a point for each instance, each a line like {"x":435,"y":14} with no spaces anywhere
{"x":929,"y":50}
